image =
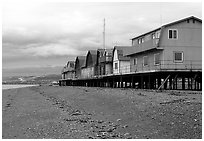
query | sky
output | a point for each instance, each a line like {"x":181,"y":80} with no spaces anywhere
{"x":38,"y":34}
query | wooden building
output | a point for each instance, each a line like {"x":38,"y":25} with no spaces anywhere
{"x":121,"y":63}
{"x":173,"y":48}
{"x":169,"y":57}
{"x":68,"y":71}
{"x":78,"y":64}
{"x":89,"y":68}
{"x":104,"y":61}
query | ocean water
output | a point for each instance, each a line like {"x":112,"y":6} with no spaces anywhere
{"x":5,"y":87}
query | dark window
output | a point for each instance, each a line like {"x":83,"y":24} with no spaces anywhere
{"x":156,"y":59}
{"x":173,"y":34}
{"x":187,"y":21}
{"x":170,"y":34}
{"x":178,"y":56}
{"x":135,"y":61}
{"x":116,"y":65}
{"x":145,"y":61}
{"x":193,"y":21}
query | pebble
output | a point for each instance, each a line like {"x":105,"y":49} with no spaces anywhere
{"x":125,"y":126}
{"x":90,"y":137}
{"x":100,"y":121}
{"x":110,"y":130}
{"x":76,"y":114}
{"x":126,"y":134}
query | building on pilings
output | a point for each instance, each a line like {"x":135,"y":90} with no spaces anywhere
{"x":89,"y":68}
{"x":169,"y":57}
{"x":104,"y":62}
{"x":170,"y":54}
{"x":121,"y":63}
{"x":68,"y":71}
{"x":79,"y":61}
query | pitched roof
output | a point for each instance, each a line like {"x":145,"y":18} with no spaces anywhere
{"x":121,"y":50}
{"x":169,"y":24}
{"x":81,"y":60}
{"x":93,"y":55}
{"x":70,"y":62}
{"x":93,"y":52}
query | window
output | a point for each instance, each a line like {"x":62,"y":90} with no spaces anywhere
{"x":156,"y":59}
{"x":116,"y":66}
{"x":145,"y":61}
{"x":157,"y":34}
{"x":142,"y":39}
{"x":135,"y":61}
{"x":101,"y":54}
{"x":173,"y":34}
{"x":178,"y":56}
{"x":153,"y":36}
{"x":104,"y":53}
{"x":139,"y":41}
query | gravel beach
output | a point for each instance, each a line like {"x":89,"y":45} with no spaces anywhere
{"x":100,"y":113}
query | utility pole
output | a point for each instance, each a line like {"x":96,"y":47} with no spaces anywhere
{"x":104,"y":46}
{"x":104,"y":34}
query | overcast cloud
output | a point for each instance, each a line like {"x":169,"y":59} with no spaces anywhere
{"x":35,"y":34}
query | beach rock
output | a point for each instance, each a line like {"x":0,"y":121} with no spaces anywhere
{"x":125,"y":126}
{"x":76,"y":113}
{"x":90,"y":137}
{"x":110,"y":130}
{"x":100,"y":121}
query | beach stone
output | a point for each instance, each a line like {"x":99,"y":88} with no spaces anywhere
{"x":76,"y":114}
{"x":90,"y":137}
{"x":100,"y":121}
{"x":125,"y":126}
{"x":110,"y":130}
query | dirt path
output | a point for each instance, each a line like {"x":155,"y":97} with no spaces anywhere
{"x":80,"y":112}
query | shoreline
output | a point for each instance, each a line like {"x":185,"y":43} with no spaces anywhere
{"x":16,"y":86}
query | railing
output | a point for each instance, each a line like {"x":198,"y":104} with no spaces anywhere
{"x":164,"y":65}
{"x":167,"y":65}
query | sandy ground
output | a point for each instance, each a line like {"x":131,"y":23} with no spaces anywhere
{"x":81,"y":112}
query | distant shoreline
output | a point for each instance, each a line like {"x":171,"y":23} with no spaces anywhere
{"x":15,"y":86}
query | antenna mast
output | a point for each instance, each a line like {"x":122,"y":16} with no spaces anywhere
{"x":104,"y":47}
{"x":104,"y":34}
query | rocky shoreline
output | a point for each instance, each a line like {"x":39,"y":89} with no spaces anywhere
{"x":100,"y":113}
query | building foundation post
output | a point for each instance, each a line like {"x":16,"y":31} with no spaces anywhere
{"x":183,"y":83}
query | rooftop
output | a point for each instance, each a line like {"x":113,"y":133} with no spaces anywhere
{"x":169,"y":24}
